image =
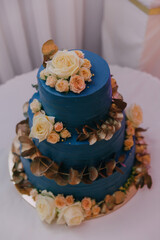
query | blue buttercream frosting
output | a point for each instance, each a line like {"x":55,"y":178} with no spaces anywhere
{"x":97,"y":190}
{"x":90,"y":105}
{"x":76,"y":154}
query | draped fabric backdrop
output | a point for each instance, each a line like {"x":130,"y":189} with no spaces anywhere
{"x":130,"y":36}
{"x":26,"y":24}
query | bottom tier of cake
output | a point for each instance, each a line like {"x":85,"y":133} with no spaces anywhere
{"x":97,"y":190}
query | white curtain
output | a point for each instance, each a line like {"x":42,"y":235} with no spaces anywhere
{"x":130,"y":36}
{"x":26,"y":24}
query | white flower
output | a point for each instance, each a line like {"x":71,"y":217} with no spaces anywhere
{"x":64,"y":64}
{"x":42,"y":126}
{"x":135,"y":114}
{"x":35,"y":106}
{"x":45,"y":206}
{"x":43,"y":74}
{"x":71,"y":215}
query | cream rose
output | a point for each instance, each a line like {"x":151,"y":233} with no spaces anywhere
{"x":77,"y":84}
{"x":64,"y":64}
{"x":51,"y":81}
{"x":71,"y":215}
{"x":35,"y":106}
{"x":135,"y":115}
{"x":45,"y":206}
{"x":62,"y":85}
{"x":42,"y":127}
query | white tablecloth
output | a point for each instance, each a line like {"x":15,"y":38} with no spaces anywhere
{"x":138,"y":219}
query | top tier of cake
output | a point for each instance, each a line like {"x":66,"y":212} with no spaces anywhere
{"x":75,"y":110}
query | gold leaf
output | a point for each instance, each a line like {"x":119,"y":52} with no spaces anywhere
{"x":22,"y":128}
{"x":86,"y":180}
{"x":74,"y":177}
{"x":93,"y":173}
{"x":121,"y":158}
{"x":52,"y":171}
{"x":82,"y":137}
{"x":26,"y":139}
{"x":40,"y":165}
{"x":28,"y":152}
{"x":110,"y":166}
{"x":16,"y":177}
{"x":148,"y":180}
{"x":16,"y":146}
{"x":119,"y":170}
{"x":24,"y":187}
{"x":120,"y":104}
{"x":60,"y":180}
{"x":93,"y":138}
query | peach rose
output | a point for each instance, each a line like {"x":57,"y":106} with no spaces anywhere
{"x":60,"y":201}
{"x":86,"y":63}
{"x":53,"y":137}
{"x":85,"y":73}
{"x":95,"y":210}
{"x":51,"y":81}
{"x":79,"y":53}
{"x":135,"y":115}
{"x":86,"y":203}
{"x":130,"y":130}
{"x":93,"y":202}
{"x":128,"y":143}
{"x":88,"y":213}
{"x":65,"y":133}
{"x":69,"y":200}
{"x":77,"y":84}
{"x":62,"y":85}
{"x":58,"y":126}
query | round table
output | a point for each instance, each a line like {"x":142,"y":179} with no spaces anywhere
{"x":138,"y":219}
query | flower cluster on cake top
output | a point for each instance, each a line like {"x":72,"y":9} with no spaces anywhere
{"x":45,"y":127}
{"x":67,"y":71}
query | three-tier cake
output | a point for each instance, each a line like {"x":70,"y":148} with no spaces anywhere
{"x":78,"y":146}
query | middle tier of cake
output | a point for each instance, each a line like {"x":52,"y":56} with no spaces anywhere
{"x":71,"y":153}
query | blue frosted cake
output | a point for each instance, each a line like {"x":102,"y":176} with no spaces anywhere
{"x":78,"y":145}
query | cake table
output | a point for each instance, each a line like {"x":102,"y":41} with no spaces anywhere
{"x":138,"y":219}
